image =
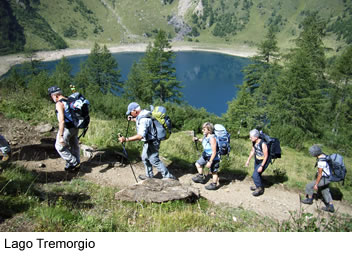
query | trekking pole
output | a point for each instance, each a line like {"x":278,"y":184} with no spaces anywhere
{"x":195,"y":142}
{"x":125,"y":152}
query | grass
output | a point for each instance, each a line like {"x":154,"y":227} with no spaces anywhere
{"x":125,"y":22}
{"x":79,"y":205}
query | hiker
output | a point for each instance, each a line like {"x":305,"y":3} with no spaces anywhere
{"x":5,"y":149}
{"x":321,"y":182}
{"x":210,"y":158}
{"x":146,"y":134}
{"x":261,"y":161}
{"x":67,"y":144}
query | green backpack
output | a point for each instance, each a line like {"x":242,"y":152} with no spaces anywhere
{"x":161,"y":122}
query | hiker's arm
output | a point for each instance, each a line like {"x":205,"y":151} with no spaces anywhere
{"x":251,"y":154}
{"x":265,"y":152}
{"x":320,"y":174}
{"x":136,"y":137}
{"x":61,"y":118}
{"x":213,"y":150}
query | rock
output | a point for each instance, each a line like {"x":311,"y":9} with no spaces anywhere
{"x":157,"y":190}
{"x":87,"y":151}
{"x":41,"y":165}
{"x":44,"y":128}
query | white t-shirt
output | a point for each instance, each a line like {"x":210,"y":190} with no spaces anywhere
{"x":325,"y":166}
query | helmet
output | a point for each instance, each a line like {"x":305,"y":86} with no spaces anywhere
{"x":54,"y":89}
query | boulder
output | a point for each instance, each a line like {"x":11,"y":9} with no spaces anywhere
{"x":44,"y":128}
{"x":157,"y":190}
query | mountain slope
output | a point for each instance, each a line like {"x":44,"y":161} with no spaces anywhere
{"x":52,"y":24}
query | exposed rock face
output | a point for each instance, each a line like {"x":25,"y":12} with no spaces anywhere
{"x":157,"y":190}
{"x":180,"y":26}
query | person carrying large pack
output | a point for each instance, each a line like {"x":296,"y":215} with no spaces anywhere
{"x":72,"y":114}
{"x":261,"y":152}
{"x":324,"y":176}
{"x":210,"y":158}
{"x":146,"y":133}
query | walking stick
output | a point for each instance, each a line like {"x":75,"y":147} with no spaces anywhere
{"x":125,"y":152}
{"x":195,"y":142}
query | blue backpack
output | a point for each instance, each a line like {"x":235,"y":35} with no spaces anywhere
{"x":337,"y":167}
{"x":222,"y":139}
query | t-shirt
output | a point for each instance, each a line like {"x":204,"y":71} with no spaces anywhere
{"x":325,"y":166}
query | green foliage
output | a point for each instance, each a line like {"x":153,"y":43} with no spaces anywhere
{"x":154,"y":78}
{"x":62,"y":75}
{"x":307,"y":222}
{"x":99,"y":73}
{"x":12,"y":37}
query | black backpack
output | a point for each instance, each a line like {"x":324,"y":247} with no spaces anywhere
{"x":273,"y":144}
{"x":79,"y":110}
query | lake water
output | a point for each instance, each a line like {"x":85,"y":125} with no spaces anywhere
{"x":209,"y":79}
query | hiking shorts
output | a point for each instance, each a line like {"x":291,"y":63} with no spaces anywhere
{"x":203,"y":160}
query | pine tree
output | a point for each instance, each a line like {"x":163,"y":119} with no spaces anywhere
{"x":100,"y":71}
{"x":268,"y":49}
{"x":297,"y":101}
{"x":158,"y":63}
{"x":341,"y":94}
{"x":259,"y":79}
{"x":241,"y":112}
{"x":138,"y":86}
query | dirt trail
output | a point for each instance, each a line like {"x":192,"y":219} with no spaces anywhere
{"x":31,"y":150}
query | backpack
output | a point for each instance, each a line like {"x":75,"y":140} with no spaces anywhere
{"x":161,"y":122}
{"x":273,"y":144}
{"x":337,"y":167}
{"x":79,"y":110}
{"x":222,"y":139}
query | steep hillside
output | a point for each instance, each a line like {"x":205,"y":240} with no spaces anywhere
{"x":53,"y":24}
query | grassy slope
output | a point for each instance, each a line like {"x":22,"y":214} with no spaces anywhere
{"x":127,"y":21}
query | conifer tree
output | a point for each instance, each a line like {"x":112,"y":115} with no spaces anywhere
{"x":138,"y":87}
{"x":100,"y":71}
{"x":158,"y":63}
{"x":297,"y":101}
{"x":341,"y":94}
{"x":259,"y":78}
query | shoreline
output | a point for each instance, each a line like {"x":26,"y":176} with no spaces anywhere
{"x":6,"y":62}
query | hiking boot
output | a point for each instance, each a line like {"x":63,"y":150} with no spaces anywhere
{"x":72,"y":167}
{"x":199,"y":179}
{"x":258,"y":191}
{"x":142,"y":177}
{"x":329,"y":208}
{"x":253,"y":188}
{"x":171,"y":177}
{"x":308,"y":201}
{"x":211,"y":186}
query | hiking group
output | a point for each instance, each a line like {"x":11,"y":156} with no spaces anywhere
{"x":154,"y":125}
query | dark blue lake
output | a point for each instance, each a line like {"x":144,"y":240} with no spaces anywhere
{"x":209,"y":79}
